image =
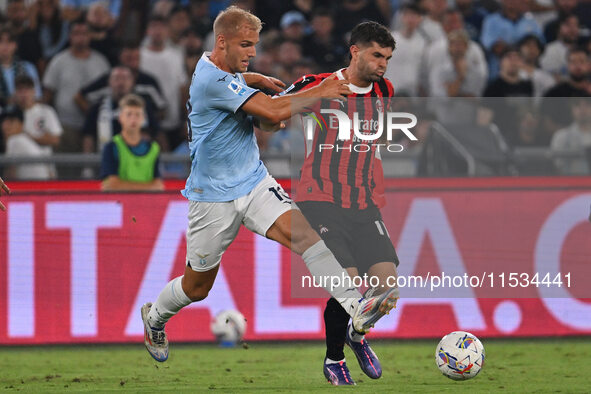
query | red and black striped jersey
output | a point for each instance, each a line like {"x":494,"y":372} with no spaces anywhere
{"x":342,"y":175}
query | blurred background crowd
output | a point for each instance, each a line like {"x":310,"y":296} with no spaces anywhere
{"x":67,"y":63}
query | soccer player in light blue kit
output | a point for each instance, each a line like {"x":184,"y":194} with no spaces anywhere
{"x":230,"y":186}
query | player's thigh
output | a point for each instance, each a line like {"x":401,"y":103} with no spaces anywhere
{"x":325,"y":219}
{"x":212,"y":228}
{"x":374,"y":248}
{"x":264,"y":205}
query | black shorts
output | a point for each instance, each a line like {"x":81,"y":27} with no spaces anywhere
{"x":357,"y":238}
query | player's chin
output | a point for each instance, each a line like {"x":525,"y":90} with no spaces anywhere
{"x":376,"y":77}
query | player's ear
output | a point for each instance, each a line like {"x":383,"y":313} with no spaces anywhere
{"x":221,"y":41}
{"x":354,"y":51}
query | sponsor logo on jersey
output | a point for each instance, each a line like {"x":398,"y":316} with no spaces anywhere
{"x":237,"y":88}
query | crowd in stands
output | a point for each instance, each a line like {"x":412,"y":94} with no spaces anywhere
{"x":67,"y":64}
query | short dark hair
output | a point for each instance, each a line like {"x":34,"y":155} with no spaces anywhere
{"x":24,"y":81}
{"x":157,"y":18}
{"x":368,"y":32}
{"x":6,"y":31}
{"x":531,"y":37}
{"x":322,"y":11}
{"x":412,"y":7}
{"x":564,"y":18}
{"x":576,"y":49}
{"x":78,"y":21}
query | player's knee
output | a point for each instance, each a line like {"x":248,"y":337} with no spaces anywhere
{"x":198,"y":293}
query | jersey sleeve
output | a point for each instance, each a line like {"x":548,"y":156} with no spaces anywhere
{"x":228,"y":94}
{"x":303,"y":83}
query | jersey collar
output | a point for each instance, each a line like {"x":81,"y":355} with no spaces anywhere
{"x":205,"y":58}
{"x":354,"y":88}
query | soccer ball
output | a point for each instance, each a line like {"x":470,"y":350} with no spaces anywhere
{"x":459,"y":355}
{"x":228,"y":327}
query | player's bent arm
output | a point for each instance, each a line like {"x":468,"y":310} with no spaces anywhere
{"x":260,"y":81}
{"x":114,"y":183}
{"x":268,"y":126}
{"x":279,"y":108}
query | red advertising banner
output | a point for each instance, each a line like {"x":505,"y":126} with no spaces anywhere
{"x":76,"y":267}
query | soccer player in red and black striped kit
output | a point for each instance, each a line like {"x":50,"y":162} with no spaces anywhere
{"x":341,"y":190}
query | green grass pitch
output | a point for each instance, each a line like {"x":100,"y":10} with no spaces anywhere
{"x":512,"y":366}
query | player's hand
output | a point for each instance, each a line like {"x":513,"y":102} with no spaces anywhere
{"x":334,"y":88}
{"x":271,"y":83}
{"x":6,"y":190}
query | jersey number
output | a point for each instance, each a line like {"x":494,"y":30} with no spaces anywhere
{"x":279,"y":193}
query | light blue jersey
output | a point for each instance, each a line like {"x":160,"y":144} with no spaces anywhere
{"x":224,"y":153}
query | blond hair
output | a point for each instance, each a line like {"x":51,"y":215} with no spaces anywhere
{"x":132,"y":100}
{"x":232,"y":19}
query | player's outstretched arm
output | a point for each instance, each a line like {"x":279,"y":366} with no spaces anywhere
{"x":5,"y":189}
{"x":276,"y":109}
{"x":263,"y":82}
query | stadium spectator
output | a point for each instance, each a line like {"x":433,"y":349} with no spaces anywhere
{"x":13,"y":67}
{"x":144,"y":84}
{"x":200,"y":19}
{"x":455,"y":77}
{"x":67,"y":72}
{"x":131,"y":24}
{"x":75,"y":9}
{"x":437,"y":53}
{"x":531,"y":48}
{"x":178,"y":23}
{"x":554,"y":58}
{"x":290,"y":54}
{"x":129,"y":161}
{"x":506,"y":111}
{"x":431,"y":26}
{"x":506,"y":28}
{"x":264,"y":64}
{"x":509,"y":83}
{"x":17,"y":20}
{"x":102,"y":121}
{"x":327,"y":50}
{"x":192,"y":44}
{"x":577,"y":85}
{"x":100,"y":24}
{"x":51,"y":30}
{"x":40,"y":120}
{"x":166,"y":64}
{"x":473,"y":15}
{"x":555,"y":109}
{"x":574,"y":139}
{"x":293,"y":26}
{"x":5,"y":189}
{"x":404,"y":67}
{"x":349,"y":13}
{"x":19,"y":144}
{"x":564,"y":8}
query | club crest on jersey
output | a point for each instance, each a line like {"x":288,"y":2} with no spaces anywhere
{"x":237,"y":88}
{"x":202,"y":259}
